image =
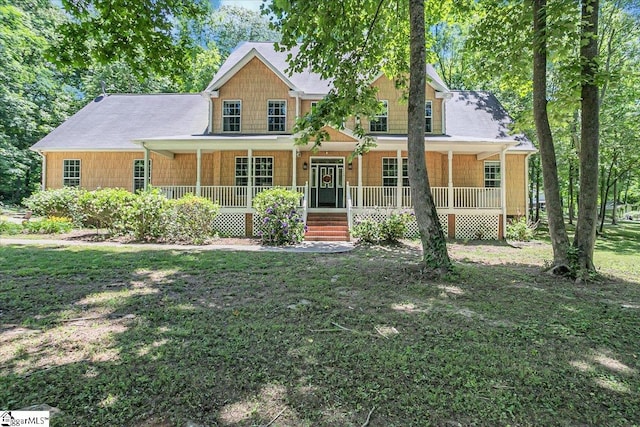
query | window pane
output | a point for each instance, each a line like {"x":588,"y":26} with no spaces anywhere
{"x":71,"y":173}
{"x":231,"y":116}
{"x":492,"y":174}
{"x":276,"y":116}
{"x":428,"y":114}
{"x":379,"y":122}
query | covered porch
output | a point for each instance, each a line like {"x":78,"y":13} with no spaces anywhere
{"x":330,"y":180}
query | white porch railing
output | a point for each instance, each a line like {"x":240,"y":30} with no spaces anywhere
{"x":231,"y":196}
{"x":227,"y":196}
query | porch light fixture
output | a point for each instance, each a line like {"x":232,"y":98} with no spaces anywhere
{"x":305,"y":166}
{"x":350,"y":166}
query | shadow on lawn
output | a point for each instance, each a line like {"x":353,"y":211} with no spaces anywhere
{"x":154,"y":338}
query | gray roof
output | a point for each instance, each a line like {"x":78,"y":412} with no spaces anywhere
{"x":111,"y":122}
{"x":479,"y":114}
{"x":308,"y":82}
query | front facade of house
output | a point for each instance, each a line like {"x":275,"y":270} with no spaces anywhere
{"x":235,"y":139}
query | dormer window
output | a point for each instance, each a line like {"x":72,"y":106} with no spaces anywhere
{"x":231,"y":111}
{"x":379,"y":123}
{"x":428,"y":116}
{"x":277,"y":116}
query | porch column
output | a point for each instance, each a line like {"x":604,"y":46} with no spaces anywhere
{"x":198,"y":171}
{"x":399,"y":179}
{"x":249,"y":178}
{"x":146,"y":167}
{"x":294,"y":172}
{"x":360,"y":202}
{"x":450,"y":182}
{"x":503,"y":189}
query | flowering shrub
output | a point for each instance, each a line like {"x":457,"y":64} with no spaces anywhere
{"x":106,"y":208}
{"x":190,"y":219}
{"x":50,"y":225}
{"x":61,"y":202}
{"x":391,"y":229}
{"x":280,"y":221}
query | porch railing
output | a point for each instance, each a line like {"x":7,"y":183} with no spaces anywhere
{"x":228,"y":196}
{"x":371,"y":196}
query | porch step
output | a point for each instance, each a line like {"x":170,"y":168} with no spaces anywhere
{"x":327,"y":227}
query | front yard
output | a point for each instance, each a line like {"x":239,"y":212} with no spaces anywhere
{"x":135,"y":337}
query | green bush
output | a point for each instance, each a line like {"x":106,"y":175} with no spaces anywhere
{"x":61,"y":202}
{"x":367,"y":230}
{"x":10,"y":228}
{"x":50,"y":225}
{"x":280,"y":221}
{"x":146,"y":217}
{"x":520,"y":229}
{"x":391,"y":229}
{"x":106,"y":208}
{"x":190,"y":220}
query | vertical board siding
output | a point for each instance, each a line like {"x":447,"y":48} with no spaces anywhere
{"x":516,"y":184}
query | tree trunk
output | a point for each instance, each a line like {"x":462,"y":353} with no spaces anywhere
{"x":538,"y":168}
{"x":585,"y":237}
{"x":532,"y":186}
{"x":575,"y":143}
{"x":435,"y":257}
{"x":614,"y":220}
{"x":571,"y":201}
{"x":557,"y":230}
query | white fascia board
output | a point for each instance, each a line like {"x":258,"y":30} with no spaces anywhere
{"x":253,"y":53}
{"x":443,"y":95}
{"x":134,"y":148}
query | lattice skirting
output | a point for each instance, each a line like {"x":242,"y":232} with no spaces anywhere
{"x":412,"y":226}
{"x":256,"y":225}
{"x":477,"y":227}
{"x":230,"y":224}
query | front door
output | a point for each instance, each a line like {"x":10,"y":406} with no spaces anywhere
{"x":327,"y":186}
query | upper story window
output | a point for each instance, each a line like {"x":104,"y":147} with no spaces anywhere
{"x":379,"y":122}
{"x":231,"y":111}
{"x":262,"y":171}
{"x":390,"y":172}
{"x":492,"y":174}
{"x":138,"y":174}
{"x":71,"y":172}
{"x":277,"y":116}
{"x":428,"y":116}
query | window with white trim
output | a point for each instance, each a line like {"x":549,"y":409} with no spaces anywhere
{"x":262,"y":171}
{"x":71,"y":172}
{"x":492,"y":174}
{"x":231,"y":115}
{"x":379,"y":123}
{"x":428,"y":116}
{"x":138,"y":174}
{"x":390,"y":172}
{"x":314,"y":104}
{"x":277,"y":116}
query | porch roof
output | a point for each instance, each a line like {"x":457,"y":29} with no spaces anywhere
{"x":442,"y":143}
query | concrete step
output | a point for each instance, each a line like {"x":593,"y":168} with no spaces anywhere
{"x":326,"y":238}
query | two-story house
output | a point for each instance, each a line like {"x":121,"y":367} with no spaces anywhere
{"x":235,"y":139}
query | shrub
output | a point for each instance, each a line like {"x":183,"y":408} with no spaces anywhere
{"x":190,"y":219}
{"x":106,"y":208}
{"x":146,"y":217}
{"x":367,"y":230}
{"x":520,"y":229}
{"x":61,"y":202}
{"x":391,"y":229}
{"x":50,"y":225}
{"x":10,"y":228}
{"x":280,"y":221}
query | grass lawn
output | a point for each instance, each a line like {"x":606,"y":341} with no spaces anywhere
{"x":135,"y":337}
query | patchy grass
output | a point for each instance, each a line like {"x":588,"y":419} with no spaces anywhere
{"x":117,"y":336}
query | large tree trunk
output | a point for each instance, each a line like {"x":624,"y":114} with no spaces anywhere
{"x":575,"y":143}
{"x":434,"y":248}
{"x":585,"y":236}
{"x":557,"y":230}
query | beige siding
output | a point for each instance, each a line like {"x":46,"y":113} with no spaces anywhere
{"x":254,"y":85}
{"x":516,"y":184}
